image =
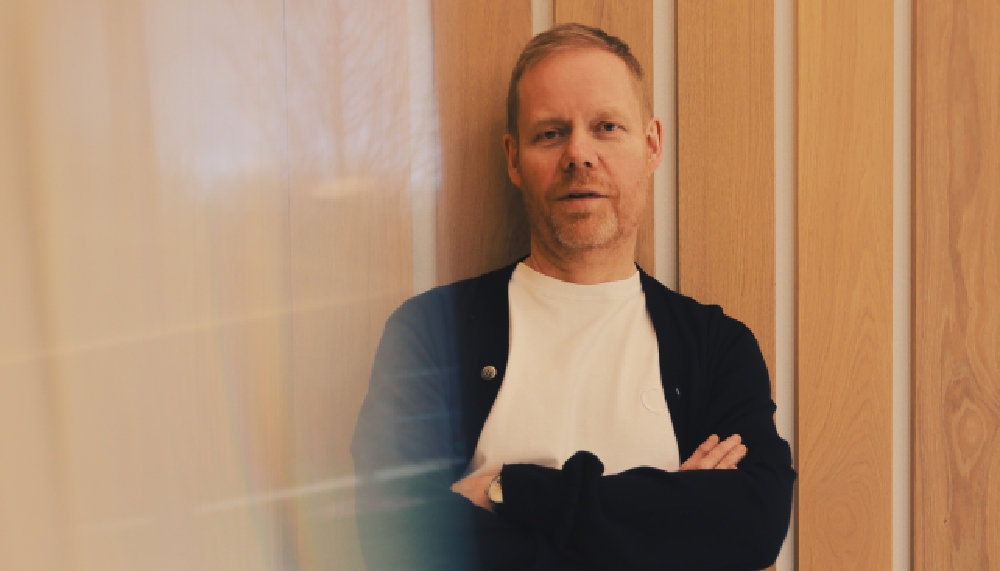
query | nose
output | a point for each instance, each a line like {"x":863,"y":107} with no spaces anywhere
{"x":579,"y":152}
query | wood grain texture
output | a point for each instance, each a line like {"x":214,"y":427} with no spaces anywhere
{"x":481,"y":220}
{"x":956,"y":304}
{"x":725,"y":166}
{"x":844,"y":279}
{"x":632,"y":21}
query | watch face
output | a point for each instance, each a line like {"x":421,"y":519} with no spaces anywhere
{"x":494,"y":492}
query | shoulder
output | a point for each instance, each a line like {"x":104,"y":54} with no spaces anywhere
{"x":448,"y":303}
{"x":697,"y":336}
{"x":672,"y":309}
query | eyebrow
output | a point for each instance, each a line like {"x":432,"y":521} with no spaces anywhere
{"x":548,"y":121}
{"x":616,"y":114}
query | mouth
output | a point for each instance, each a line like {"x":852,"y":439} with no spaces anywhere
{"x":581,"y":194}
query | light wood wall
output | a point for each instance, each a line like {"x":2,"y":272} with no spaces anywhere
{"x":205,"y":219}
{"x":725,"y":163}
{"x":481,"y":220}
{"x":956,"y":280}
{"x":844,"y":284}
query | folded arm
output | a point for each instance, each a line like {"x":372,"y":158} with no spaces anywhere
{"x":696,"y":518}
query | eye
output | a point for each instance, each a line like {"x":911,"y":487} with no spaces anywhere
{"x":547,"y":135}
{"x":609,"y":127}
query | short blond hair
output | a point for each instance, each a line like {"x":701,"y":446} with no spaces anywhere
{"x":566,"y":36}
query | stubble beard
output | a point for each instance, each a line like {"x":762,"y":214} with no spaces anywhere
{"x":588,"y":230}
{"x":582,"y":232}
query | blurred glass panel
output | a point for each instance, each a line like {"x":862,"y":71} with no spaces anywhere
{"x":205,"y":219}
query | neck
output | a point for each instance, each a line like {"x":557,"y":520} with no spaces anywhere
{"x":585,"y":267}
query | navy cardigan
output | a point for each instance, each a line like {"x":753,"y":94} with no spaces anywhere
{"x":428,"y":400}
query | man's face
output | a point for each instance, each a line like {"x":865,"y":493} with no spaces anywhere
{"x":584,"y":151}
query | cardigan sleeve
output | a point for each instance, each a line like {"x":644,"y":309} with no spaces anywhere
{"x":408,"y":452}
{"x":647,"y":518}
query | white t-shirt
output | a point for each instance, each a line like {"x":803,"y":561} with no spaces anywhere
{"x":583,"y":374}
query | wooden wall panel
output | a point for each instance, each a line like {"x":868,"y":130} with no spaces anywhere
{"x":844,"y":280}
{"x":481,"y":220}
{"x":956,"y":304}
{"x":725,"y":166}
{"x":632,"y":21}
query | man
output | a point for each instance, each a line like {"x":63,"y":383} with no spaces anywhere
{"x":535,"y":417}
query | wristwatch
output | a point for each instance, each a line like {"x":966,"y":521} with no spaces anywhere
{"x":494,"y":492}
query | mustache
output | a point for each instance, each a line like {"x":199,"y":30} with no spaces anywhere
{"x":578,"y":178}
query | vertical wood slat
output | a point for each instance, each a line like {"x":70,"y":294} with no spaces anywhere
{"x":956,"y":309}
{"x":725,"y":146}
{"x":632,"y":21}
{"x":481,"y":219}
{"x":844,"y":280}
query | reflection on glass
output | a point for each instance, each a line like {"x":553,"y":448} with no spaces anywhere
{"x":205,"y":219}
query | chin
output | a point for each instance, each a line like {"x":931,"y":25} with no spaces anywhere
{"x":586,"y":235}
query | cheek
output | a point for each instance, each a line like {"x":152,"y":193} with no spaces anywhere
{"x":532,"y":187}
{"x":628,"y":176}
{"x":633,"y":185}
{"x":535,"y":176}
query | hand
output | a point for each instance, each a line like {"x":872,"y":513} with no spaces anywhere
{"x":715,"y":455}
{"x":473,"y":487}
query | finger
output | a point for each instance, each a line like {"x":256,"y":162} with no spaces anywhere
{"x":709,"y":444}
{"x":699,"y":454}
{"x":699,"y":459}
{"x":719,"y":452}
{"x":460,"y":487}
{"x":467,"y":491}
{"x":729,"y":461}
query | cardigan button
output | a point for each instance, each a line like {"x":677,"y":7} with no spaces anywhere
{"x":488,"y":373}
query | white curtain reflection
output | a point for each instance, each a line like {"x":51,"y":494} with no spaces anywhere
{"x":205,"y":219}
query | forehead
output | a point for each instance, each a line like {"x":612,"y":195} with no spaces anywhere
{"x":577,"y":79}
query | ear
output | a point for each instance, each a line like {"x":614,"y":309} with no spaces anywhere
{"x":654,"y":143}
{"x":513,"y":163}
